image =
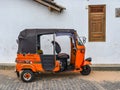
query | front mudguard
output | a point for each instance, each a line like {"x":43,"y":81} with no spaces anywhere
{"x":87,"y":61}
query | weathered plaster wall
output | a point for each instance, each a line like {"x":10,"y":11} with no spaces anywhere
{"x":16,"y":15}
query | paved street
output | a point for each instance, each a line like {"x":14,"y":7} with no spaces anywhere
{"x":97,"y":80}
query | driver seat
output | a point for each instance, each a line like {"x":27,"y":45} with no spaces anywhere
{"x":58,"y":50}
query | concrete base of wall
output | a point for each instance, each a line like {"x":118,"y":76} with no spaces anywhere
{"x":106,"y":67}
{"x":95,"y":67}
{"x":7,"y":66}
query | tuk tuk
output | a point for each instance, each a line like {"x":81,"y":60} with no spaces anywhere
{"x":31,"y":59}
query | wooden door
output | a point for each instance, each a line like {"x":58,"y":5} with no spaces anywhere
{"x":97,"y":23}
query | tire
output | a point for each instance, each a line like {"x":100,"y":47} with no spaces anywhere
{"x":86,"y":70}
{"x":27,"y":76}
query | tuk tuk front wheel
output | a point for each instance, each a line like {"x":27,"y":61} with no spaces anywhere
{"x":27,"y":76}
{"x":86,"y":70}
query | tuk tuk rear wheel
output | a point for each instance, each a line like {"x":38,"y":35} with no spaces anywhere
{"x":86,"y":70}
{"x":27,"y":76}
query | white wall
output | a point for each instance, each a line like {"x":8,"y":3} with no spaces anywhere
{"x":109,"y":51}
{"x":16,"y":15}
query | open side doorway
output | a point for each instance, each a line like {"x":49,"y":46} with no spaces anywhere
{"x":48,"y":56}
{"x":54,"y":47}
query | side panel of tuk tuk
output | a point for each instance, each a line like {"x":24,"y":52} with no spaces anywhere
{"x":80,"y":54}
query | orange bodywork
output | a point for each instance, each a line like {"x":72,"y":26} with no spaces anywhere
{"x":80,"y":52}
{"x":31,"y":57}
{"x":32,"y":62}
{"x":79,"y":59}
{"x":77,"y":56}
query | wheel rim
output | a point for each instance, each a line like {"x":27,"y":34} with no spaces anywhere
{"x":27,"y":76}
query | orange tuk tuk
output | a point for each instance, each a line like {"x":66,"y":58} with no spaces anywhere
{"x":31,"y":58}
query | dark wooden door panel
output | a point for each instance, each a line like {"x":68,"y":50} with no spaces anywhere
{"x":96,"y":24}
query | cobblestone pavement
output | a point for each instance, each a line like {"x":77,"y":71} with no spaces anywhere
{"x":62,"y":81}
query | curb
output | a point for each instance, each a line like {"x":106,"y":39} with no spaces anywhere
{"x":106,"y":67}
{"x":95,"y":67}
{"x":7,"y":66}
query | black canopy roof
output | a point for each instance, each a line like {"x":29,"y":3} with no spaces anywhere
{"x":34,"y":32}
{"x":27,"y":39}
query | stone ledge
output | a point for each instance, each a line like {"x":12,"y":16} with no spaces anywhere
{"x":95,"y":67}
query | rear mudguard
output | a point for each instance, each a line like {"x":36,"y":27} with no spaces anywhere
{"x":24,"y":67}
{"x":21,"y":67}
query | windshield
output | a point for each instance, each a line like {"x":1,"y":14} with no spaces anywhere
{"x":79,"y":41}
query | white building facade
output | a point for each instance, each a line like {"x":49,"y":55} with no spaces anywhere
{"x":17,"y":15}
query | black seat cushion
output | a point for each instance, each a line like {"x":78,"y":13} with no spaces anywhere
{"x":63,"y":56}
